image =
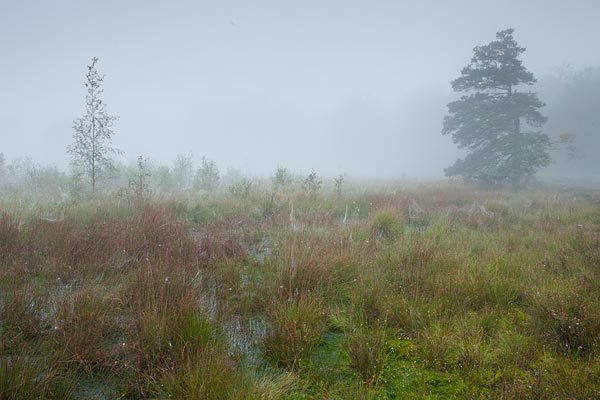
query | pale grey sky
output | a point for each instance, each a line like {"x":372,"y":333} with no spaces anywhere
{"x":344,"y":85}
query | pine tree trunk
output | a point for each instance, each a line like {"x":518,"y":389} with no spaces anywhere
{"x":516,"y":156}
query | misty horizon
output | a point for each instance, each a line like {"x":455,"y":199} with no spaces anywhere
{"x":335,"y":87}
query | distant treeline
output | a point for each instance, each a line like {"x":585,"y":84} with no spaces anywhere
{"x":572,"y":98}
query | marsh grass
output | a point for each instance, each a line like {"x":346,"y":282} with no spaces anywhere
{"x":296,"y":328}
{"x":367,"y":352}
{"x":385,"y":225}
{"x":494,"y":294}
{"x":29,"y":376}
{"x":82,"y":330}
{"x":21,"y":316}
{"x":207,"y":375}
{"x":18,"y":378}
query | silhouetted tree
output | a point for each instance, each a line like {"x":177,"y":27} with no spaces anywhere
{"x":2,"y":165}
{"x":182,"y":172}
{"x":207,"y":177}
{"x":496,"y":123}
{"x":139,"y":183}
{"x":338,"y":184}
{"x":281,"y":179}
{"x":573,"y":98}
{"x":312,"y":184}
{"x":92,"y":140}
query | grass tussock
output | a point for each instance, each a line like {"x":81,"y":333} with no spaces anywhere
{"x":367,"y":351}
{"x":296,"y":329}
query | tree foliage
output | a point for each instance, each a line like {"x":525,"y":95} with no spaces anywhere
{"x":495,"y":122}
{"x":183,"y":170}
{"x":207,"y":177}
{"x":139,"y":184}
{"x":92,"y":148}
{"x":312,"y":184}
{"x":282,"y":178}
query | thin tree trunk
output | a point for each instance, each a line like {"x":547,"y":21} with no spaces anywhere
{"x":93,"y":152}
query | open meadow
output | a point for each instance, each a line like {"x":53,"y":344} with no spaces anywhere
{"x":291,"y":200}
{"x":433,"y":291}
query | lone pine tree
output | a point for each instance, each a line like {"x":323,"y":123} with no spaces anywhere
{"x":92,"y":136}
{"x":497,"y":123}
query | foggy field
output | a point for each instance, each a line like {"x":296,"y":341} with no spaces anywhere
{"x":285,"y":200}
{"x":394,"y":291}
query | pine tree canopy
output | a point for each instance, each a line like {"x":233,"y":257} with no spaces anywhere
{"x":496,"y":123}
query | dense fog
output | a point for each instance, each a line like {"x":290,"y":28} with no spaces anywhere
{"x":342,"y":87}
